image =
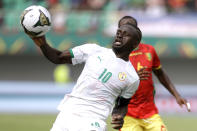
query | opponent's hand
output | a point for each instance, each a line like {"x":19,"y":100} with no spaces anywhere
{"x":143,"y":74}
{"x":181,"y":101}
{"x":117,"y":121}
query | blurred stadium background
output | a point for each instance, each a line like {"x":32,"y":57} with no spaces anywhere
{"x":31,"y":87}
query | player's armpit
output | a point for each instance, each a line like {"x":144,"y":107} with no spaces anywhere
{"x":121,"y":101}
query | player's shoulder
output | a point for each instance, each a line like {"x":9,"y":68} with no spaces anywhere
{"x":146,"y":45}
{"x":92,"y":47}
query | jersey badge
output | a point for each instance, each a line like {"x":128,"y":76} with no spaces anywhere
{"x":122,"y":76}
{"x":149,"y":57}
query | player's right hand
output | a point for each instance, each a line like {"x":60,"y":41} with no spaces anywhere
{"x":28,"y":33}
{"x":37,"y":40}
{"x":181,"y":101}
{"x":117,"y":121}
{"x":143,"y":74}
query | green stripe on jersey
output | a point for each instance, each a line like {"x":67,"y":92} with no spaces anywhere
{"x":71,"y":53}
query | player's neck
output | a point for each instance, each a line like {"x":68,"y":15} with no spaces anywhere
{"x":124,"y":56}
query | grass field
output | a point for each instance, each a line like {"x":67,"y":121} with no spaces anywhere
{"x":44,"y":122}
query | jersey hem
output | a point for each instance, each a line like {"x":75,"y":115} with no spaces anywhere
{"x":143,"y":117}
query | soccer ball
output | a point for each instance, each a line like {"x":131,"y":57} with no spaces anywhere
{"x":36,"y":20}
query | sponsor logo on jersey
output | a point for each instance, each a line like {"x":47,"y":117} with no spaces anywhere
{"x":149,"y":57}
{"x":122,"y":76}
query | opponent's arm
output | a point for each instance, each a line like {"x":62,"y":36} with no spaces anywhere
{"x":119,"y":112}
{"x":166,"y":82}
{"x":52,"y":54}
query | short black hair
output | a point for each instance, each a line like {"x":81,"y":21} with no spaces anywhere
{"x":128,"y":17}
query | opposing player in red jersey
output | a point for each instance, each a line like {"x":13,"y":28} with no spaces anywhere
{"x":142,"y":112}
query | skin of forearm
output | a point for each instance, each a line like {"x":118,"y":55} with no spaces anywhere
{"x":120,"y":110}
{"x":165,"y":81}
{"x":51,"y":54}
{"x":121,"y":106}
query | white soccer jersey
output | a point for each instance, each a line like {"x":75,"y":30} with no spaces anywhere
{"x":103,"y":79}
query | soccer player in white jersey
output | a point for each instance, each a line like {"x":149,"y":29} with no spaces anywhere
{"x":102,"y":83}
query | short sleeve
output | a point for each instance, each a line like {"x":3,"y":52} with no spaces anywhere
{"x":130,"y":90}
{"x":81,"y":53}
{"x":156,"y":61}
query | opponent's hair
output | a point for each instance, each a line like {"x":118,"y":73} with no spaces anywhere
{"x":134,"y":21}
{"x":138,"y":32}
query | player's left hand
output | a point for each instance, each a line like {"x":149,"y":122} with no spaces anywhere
{"x":117,"y":121}
{"x":181,"y":101}
{"x":143,"y":74}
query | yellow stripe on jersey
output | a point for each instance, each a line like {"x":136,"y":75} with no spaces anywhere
{"x":133,"y":54}
{"x":157,"y":68}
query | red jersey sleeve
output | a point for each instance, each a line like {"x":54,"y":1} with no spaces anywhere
{"x":156,"y":61}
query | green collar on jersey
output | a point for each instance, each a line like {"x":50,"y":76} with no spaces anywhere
{"x":71,"y":53}
{"x":136,"y":48}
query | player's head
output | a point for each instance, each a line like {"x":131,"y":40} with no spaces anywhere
{"x":127,"y":39}
{"x":127,"y":20}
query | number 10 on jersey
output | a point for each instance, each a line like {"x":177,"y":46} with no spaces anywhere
{"x":104,"y":77}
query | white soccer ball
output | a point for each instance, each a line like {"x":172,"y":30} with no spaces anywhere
{"x":36,"y":20}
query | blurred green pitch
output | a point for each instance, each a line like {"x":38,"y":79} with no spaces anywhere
{"x":35,"y":122}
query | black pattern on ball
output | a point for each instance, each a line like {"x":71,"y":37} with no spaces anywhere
{"x":23,"y":15}
{"x":43,"y":20}
{"x":31,"y":33}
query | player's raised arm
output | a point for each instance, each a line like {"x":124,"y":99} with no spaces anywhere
{"x":36,"y":22}
{"x":166,"y":82}
{"x":52,"y":54}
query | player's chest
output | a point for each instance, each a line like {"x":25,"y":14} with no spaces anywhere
{"x":108,"y":70}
